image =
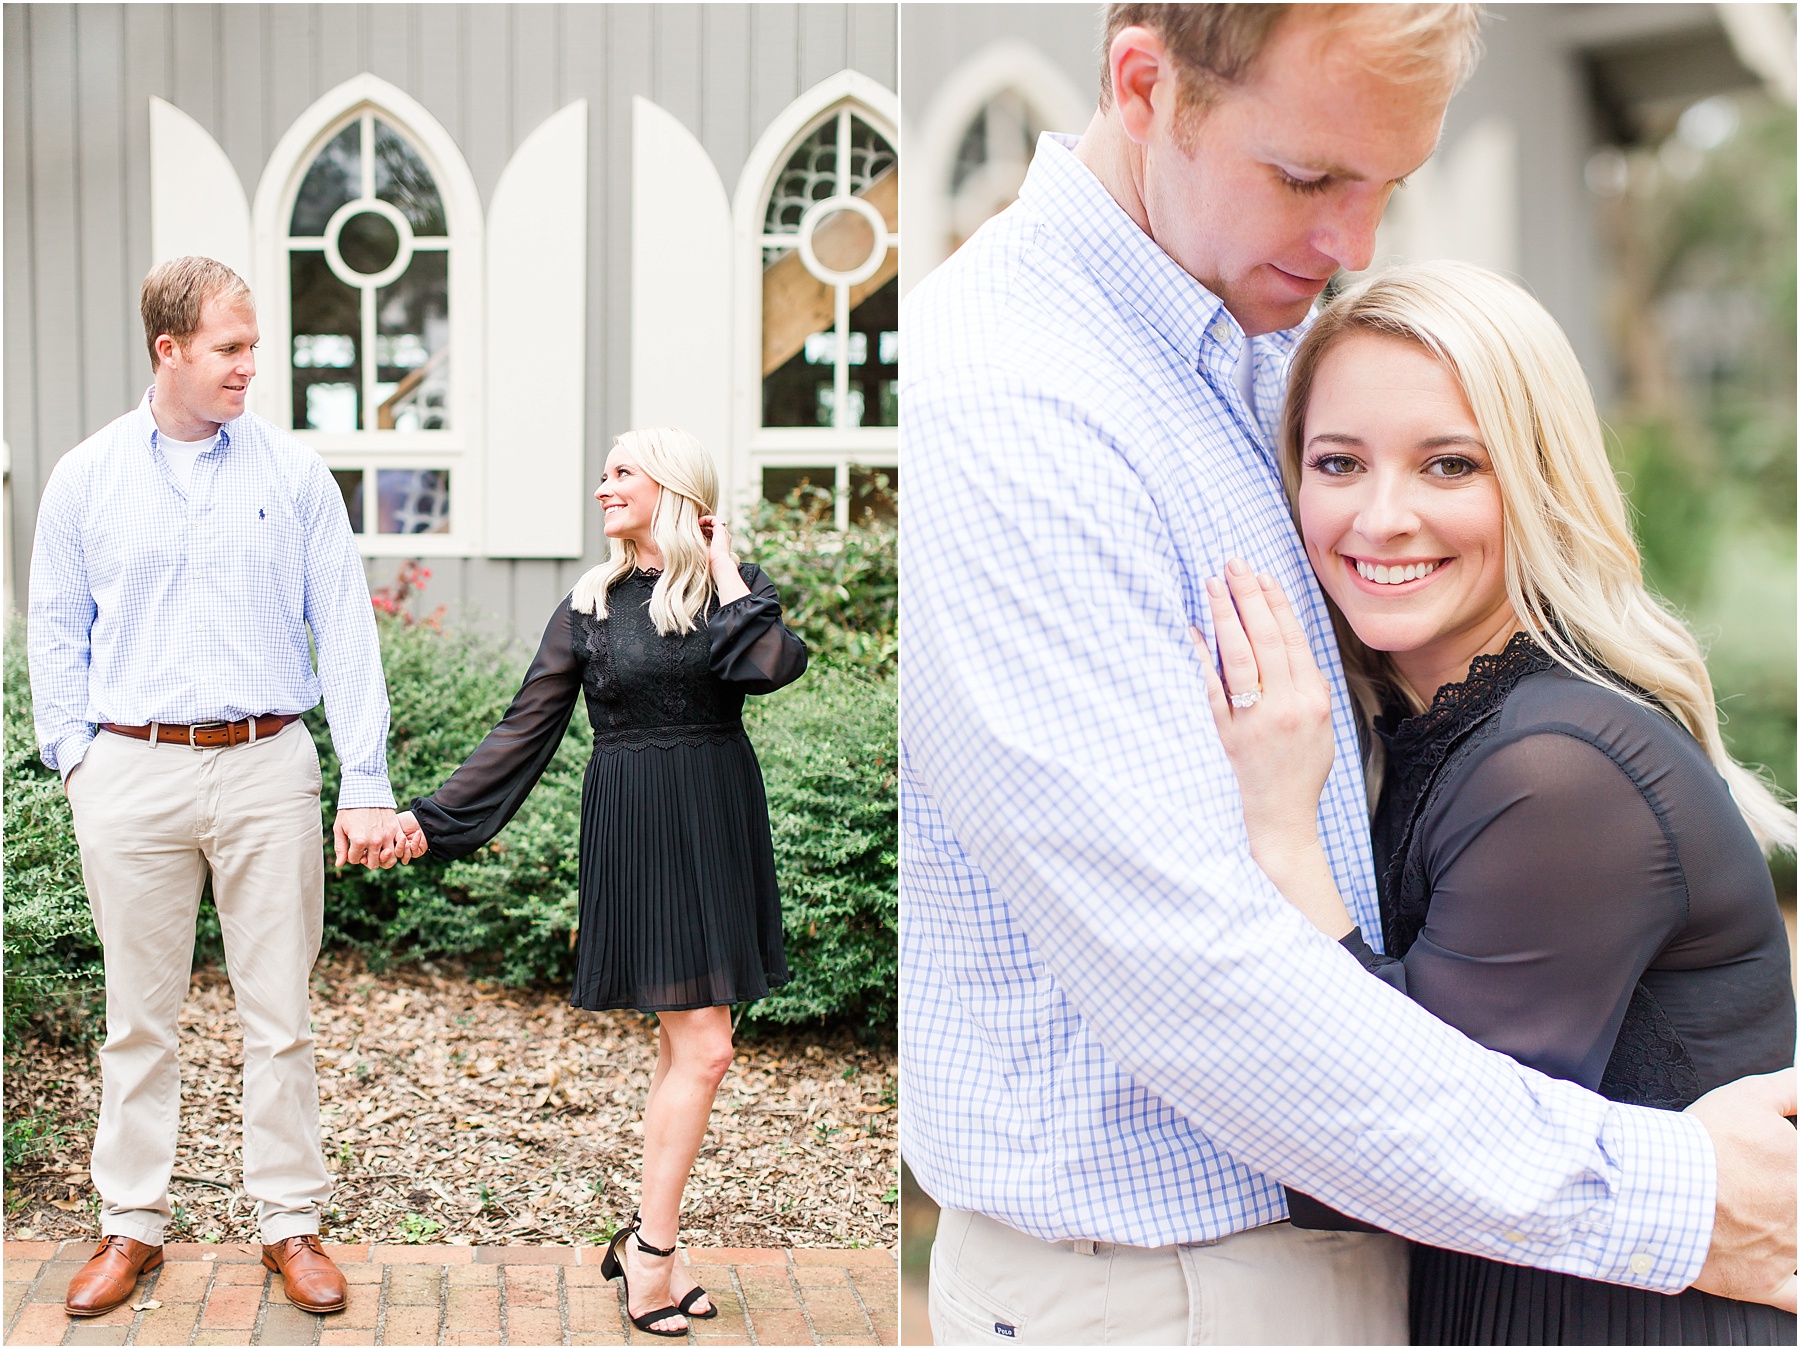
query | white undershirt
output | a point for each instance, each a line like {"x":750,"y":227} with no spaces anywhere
{"x":181,"y":455}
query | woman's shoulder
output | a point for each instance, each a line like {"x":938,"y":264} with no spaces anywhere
{"x":1626,"y":723}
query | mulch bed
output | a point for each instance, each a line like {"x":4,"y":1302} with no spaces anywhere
{"x":458,"y":1111}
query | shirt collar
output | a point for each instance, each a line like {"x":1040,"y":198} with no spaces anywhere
{"x":149,"y":433}
{"x":1129,"y":263}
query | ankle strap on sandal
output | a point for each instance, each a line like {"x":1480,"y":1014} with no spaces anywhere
{"x":648,"y":1249}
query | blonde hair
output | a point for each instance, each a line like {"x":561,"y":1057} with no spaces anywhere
{"x":1573,"y":573}
{"x":1217,"y":46}
{"x":688,"y":488}
{"x":176,"y":291}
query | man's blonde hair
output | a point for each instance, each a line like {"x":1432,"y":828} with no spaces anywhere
{"x":689,"y":488}
{"x":1573,"y":574}
{"x":1217,"y":46}
{"x":176,"y":291}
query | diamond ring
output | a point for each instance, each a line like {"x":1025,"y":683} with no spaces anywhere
{"x":1243,"y":700}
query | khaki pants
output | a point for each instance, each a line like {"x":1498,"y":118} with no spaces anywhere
{"x":152,"y":820}
{"x":1277,"y":1284}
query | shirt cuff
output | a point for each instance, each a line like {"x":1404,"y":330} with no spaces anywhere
{"x":361,"y":791}
{"x":1662,"y":1215}
{"x":66,"y":754}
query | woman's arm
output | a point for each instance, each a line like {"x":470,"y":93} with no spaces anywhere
{"x":478,"y":799}
{"x":751,"y":647}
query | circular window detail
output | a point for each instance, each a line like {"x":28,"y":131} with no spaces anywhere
{"x":368,"y":243}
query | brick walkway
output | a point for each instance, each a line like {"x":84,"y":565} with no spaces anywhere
{"x":537,"y":1295}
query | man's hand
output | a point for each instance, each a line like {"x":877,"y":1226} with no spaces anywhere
{"x":370,"y":835}
{"x":1752,"y":1255}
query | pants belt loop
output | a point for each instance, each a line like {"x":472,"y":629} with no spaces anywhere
{"x":155,"y":733}
{"x":252,"y":730}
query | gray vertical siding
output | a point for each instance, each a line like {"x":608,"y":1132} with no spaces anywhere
{"x":78,"y":79}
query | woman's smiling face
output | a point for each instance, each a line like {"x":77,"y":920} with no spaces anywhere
{"x":1400,"y":511}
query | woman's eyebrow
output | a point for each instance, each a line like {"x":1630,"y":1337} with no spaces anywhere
{"x":1335,"y":438}
{"x":1437,"y":442}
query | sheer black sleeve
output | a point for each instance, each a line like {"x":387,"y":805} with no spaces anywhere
{"x":1553,"y":887}
{"x":750,"y":646}
{"x":479,"y":798}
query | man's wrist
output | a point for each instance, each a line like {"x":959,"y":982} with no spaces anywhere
{"x":1662,"y":1210}
{"x":363,"y":791}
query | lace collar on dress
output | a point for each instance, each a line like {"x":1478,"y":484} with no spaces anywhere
{"x":1457,"y":707}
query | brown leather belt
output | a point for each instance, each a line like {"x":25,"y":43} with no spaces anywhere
{"x":206,"y":734}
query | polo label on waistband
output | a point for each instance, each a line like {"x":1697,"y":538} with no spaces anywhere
{"x":1001,"y":1328}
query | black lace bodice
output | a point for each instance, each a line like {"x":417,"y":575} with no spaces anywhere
{"x":1564,"y":877}
{"x":643,"y":690}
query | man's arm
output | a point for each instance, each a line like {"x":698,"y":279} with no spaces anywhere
{"x":60,"y":626}
{"x":356,"y":706}
{"x":1048,"y":668}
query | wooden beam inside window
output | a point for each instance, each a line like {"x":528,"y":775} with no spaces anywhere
{"x":796,"y":303}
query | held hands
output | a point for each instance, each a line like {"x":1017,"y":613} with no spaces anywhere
{"x":415,"y":845}
{"x":370,"y":835}
{"x":726,"y":579}
{"x":1273,"y":711}
{"x":1752,"y":1253}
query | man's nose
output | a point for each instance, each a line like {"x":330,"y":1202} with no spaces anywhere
{"x":1348,"y":238}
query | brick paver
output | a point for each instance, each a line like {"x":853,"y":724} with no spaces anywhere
{"x":486,"y":1295}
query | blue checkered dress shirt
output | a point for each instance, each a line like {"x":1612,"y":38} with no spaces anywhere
{"x":153,"y":604}
{"x":1112,"y":1026}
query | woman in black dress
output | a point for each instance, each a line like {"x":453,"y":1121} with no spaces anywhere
{"x":1571,"y":867}
{"x":679,"y":913}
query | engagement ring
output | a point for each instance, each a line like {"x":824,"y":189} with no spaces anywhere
{"x":1243,"y":700}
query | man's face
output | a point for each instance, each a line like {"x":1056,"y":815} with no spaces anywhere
{"x":1282,"y":181}
{"x":210,"y":374}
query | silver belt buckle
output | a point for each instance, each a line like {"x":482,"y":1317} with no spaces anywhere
{"x":204,"y":726}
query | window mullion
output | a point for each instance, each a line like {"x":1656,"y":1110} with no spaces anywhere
{"x":368,"y":355}
{"x":840,"y":372}
{"x":368,"y":156}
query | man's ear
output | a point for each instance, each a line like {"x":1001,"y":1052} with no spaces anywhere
{"x":166,"y":346}
{"x":1140,"y":65}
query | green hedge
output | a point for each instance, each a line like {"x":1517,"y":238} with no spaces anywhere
{"x":828,"y":748}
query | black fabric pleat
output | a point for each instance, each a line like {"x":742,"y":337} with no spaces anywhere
{"x":1464,"y":1299}
{"x":679,"y":906}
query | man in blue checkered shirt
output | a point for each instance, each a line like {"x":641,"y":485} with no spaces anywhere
{"x":1117,"y":1039}
{"x":189,"y":557}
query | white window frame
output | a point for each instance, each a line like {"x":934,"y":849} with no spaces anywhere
{"x":800,"y":446}
{"x":460,"y":448}
{"x":1008,"y":66}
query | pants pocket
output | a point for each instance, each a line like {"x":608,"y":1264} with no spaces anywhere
{"x":964,"y":1314}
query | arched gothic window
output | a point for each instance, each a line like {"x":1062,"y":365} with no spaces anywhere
{"x":368,"y":271}
{"x":830,"y":331}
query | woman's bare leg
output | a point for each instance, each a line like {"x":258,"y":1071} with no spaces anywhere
{"x":694,"y":1053}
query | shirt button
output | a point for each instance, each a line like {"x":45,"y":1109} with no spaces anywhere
{"x":1221,"y":331}
{"x":1515,"y":1236}
{"x":1641,"y":1263}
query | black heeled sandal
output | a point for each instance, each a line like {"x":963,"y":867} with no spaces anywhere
{"x":694,"y":1294}
{"x":613,"y":1267}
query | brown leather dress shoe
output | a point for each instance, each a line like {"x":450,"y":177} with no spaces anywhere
{"x":314,"y":1284}
{"x":110,"y":1274}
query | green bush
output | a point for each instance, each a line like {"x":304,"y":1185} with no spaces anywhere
{"x":839,"y":589}
{"x":827,"y":746}
{"x":52,"y":955}
{"x":830,"y":758}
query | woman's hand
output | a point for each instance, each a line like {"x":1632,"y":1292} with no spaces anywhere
{"x":1273,"y":711}
{"x":414,"y":845}
{"x":726,"y":578}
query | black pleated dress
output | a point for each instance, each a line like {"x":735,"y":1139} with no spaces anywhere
{"x":1564,"y":878}
{"x":678,"y":907}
